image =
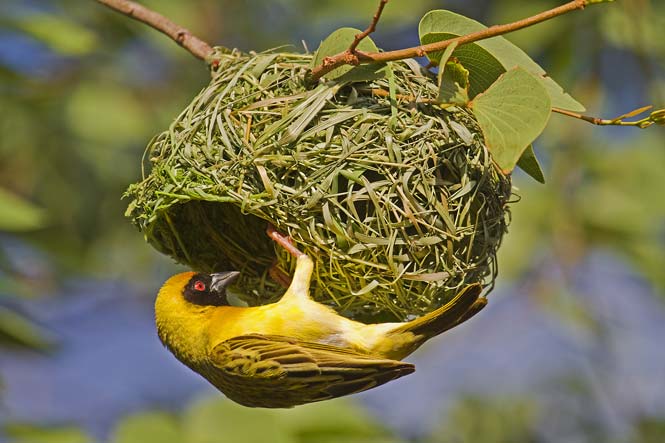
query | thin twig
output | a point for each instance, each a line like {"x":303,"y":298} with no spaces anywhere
{"x":408,"y":98}
{"x":656,"y":117}
{"x":586,"y":118}
{"x":371,"y":28}
{"x":197,"y":47}
{"x":343,"y":58}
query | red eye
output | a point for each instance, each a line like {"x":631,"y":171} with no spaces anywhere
{"x":199,"y":286}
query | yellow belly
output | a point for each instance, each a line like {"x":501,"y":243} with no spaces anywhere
{"x":311,"y":322}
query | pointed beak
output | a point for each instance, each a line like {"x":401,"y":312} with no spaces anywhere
{"x":221,"y":280}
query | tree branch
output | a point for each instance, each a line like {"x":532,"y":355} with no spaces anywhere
{"x":197,"y":47}
{"x":358,"y":57}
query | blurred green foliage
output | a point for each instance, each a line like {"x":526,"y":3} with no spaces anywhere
{"x":18,"y":214}
{"x":27,"y":433}
{"x":215,"y":420}
{"x":497,"y":420}
{"x":19,"y":331}
{"x":83,"y":89}
{"x":58,"y":33}
{"x":649,"y":431}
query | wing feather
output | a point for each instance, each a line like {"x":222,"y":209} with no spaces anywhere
{"x":276,"y":371}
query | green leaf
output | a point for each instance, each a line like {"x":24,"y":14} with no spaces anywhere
{"x":486,"y":59}
{"x":18,"y":330}
{"x":483,"y":68}
{"x":339,"y":41}
{"x":447,"y":53}
{"x":27,"y":433}
{"x":453,"y":84}
{"x":529,"y":164}
{"x":511,"y":114}
{"x":148,"y":427}
{"x":17,"y":214}
{"x":61,"y":35}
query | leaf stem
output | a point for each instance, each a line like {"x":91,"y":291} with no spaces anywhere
{"x":657,"y":117}
{"x":197,"y":47}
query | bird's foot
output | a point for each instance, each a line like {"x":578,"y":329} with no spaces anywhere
{"x":279,"y":276}
{"x":300,"y":283}
{"x":284,"y":241}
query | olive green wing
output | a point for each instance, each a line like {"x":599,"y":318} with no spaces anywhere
{"x":279,"y":372}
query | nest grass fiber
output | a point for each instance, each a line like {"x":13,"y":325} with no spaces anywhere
{"x":397,"y":201}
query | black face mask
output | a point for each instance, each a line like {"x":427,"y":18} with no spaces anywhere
{"x":209,"y":289}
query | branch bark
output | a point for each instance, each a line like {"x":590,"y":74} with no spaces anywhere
{"x":358,"y":57}
{"x":197,"y":47}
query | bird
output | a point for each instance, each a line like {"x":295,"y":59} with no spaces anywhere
{"x":296,"y":350}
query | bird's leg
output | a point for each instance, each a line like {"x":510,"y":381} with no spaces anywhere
{"x":279,"y":276}
{"x":284,"y":242}
{"x":275,"y":273}
{"x":299,"y":286}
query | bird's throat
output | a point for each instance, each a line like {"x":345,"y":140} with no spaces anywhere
{"x":183,"y":328}
{"x":186,"y":339}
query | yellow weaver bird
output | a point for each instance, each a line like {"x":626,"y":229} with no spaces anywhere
{"x":296,"y":350}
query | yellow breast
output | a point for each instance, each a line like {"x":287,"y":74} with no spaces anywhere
{"x":306,"y":322}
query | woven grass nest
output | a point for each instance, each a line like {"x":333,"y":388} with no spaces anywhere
{"x":397,"y":201}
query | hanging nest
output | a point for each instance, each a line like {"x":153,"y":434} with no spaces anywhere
{"x":397,"y":201}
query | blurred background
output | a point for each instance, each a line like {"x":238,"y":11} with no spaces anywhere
{"x":568,"y":350}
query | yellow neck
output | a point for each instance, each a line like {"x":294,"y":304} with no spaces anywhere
{"x":182,"y":327}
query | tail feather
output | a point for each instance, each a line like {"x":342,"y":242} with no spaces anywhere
{"x":477,"y":306}
{"x":462,"y":307}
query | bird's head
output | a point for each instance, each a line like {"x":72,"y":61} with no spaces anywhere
{"x":184,"y":306}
